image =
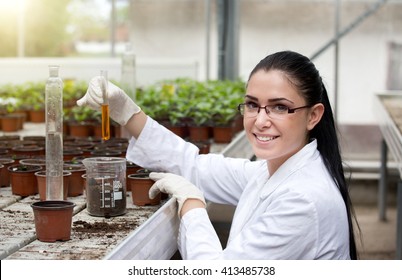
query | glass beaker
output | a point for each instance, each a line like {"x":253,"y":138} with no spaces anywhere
{"x":105,"y":186}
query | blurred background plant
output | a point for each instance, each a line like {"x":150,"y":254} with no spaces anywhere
{"x":168,"y":101}
{"x":64,"y":22}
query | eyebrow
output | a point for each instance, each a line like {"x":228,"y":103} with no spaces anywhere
{"x":270,"y":100}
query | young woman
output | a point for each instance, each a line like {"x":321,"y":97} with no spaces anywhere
{"x":292,"y":203}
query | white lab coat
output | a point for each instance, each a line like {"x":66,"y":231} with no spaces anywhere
{"x":297,"y":213}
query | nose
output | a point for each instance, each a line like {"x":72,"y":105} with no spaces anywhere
{"x":263,"y":119}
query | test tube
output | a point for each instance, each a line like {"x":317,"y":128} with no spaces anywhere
{"x":105,"y":107}
{"x":54,"y":135}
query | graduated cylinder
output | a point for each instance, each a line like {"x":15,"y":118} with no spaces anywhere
{"x":54,"y":135}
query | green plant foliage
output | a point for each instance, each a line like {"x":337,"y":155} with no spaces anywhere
{"x":83,"y":113}
{"x":73,"y":90}
{"x":212,"y":102}
{"x":175,"y":101}
{"x":31,"y":95}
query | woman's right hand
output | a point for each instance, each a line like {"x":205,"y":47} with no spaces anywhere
{"x":121,"y":107}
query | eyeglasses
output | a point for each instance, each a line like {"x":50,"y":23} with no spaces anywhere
{"x":251,"y":110}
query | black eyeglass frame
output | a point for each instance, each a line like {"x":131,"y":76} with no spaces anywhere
{"x":290,"y":110}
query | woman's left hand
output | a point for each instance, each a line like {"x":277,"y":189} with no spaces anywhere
{"x":178,"y":187}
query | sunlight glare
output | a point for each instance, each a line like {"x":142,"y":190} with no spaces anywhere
{"x":12,"y":7}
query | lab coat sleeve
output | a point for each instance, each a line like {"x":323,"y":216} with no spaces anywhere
{"x":204,"y":244}
{"x":221,"y":179}
{"x":287,"y":229}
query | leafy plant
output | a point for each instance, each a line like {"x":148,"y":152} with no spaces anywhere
{"x":73,"y":90}
{"x":202,"y":102}
{"x":20,"y":167}
{"x":11,"y":98}
{"x":10,"y":104}
{"x":227,"y":96}
{"x":177,"y":116}
{"x":200,"y":112}
{"x":82,"y":114}
{"x":34,"y":95}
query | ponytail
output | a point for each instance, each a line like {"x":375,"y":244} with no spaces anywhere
{"x":328,"y":145}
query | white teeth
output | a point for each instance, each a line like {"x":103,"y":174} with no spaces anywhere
{"x":265,"y":138}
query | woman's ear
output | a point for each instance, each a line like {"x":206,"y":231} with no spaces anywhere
{"x":315,"y":115}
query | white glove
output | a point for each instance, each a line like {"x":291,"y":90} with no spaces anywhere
{"x":121,"y":107}
{"x":177,"y":186}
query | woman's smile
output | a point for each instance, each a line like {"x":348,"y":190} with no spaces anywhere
{"x":264,"y":138}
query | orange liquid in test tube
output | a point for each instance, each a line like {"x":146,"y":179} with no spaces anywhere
{"x":105,"y":122}
{"x":105,"y":107}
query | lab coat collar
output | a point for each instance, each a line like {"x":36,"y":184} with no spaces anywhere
{"x":306,"y":155}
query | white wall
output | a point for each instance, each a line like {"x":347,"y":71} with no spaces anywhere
{"x":16,"y":71}
{"x":174,"y":29}
{"x":148,"y":71}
